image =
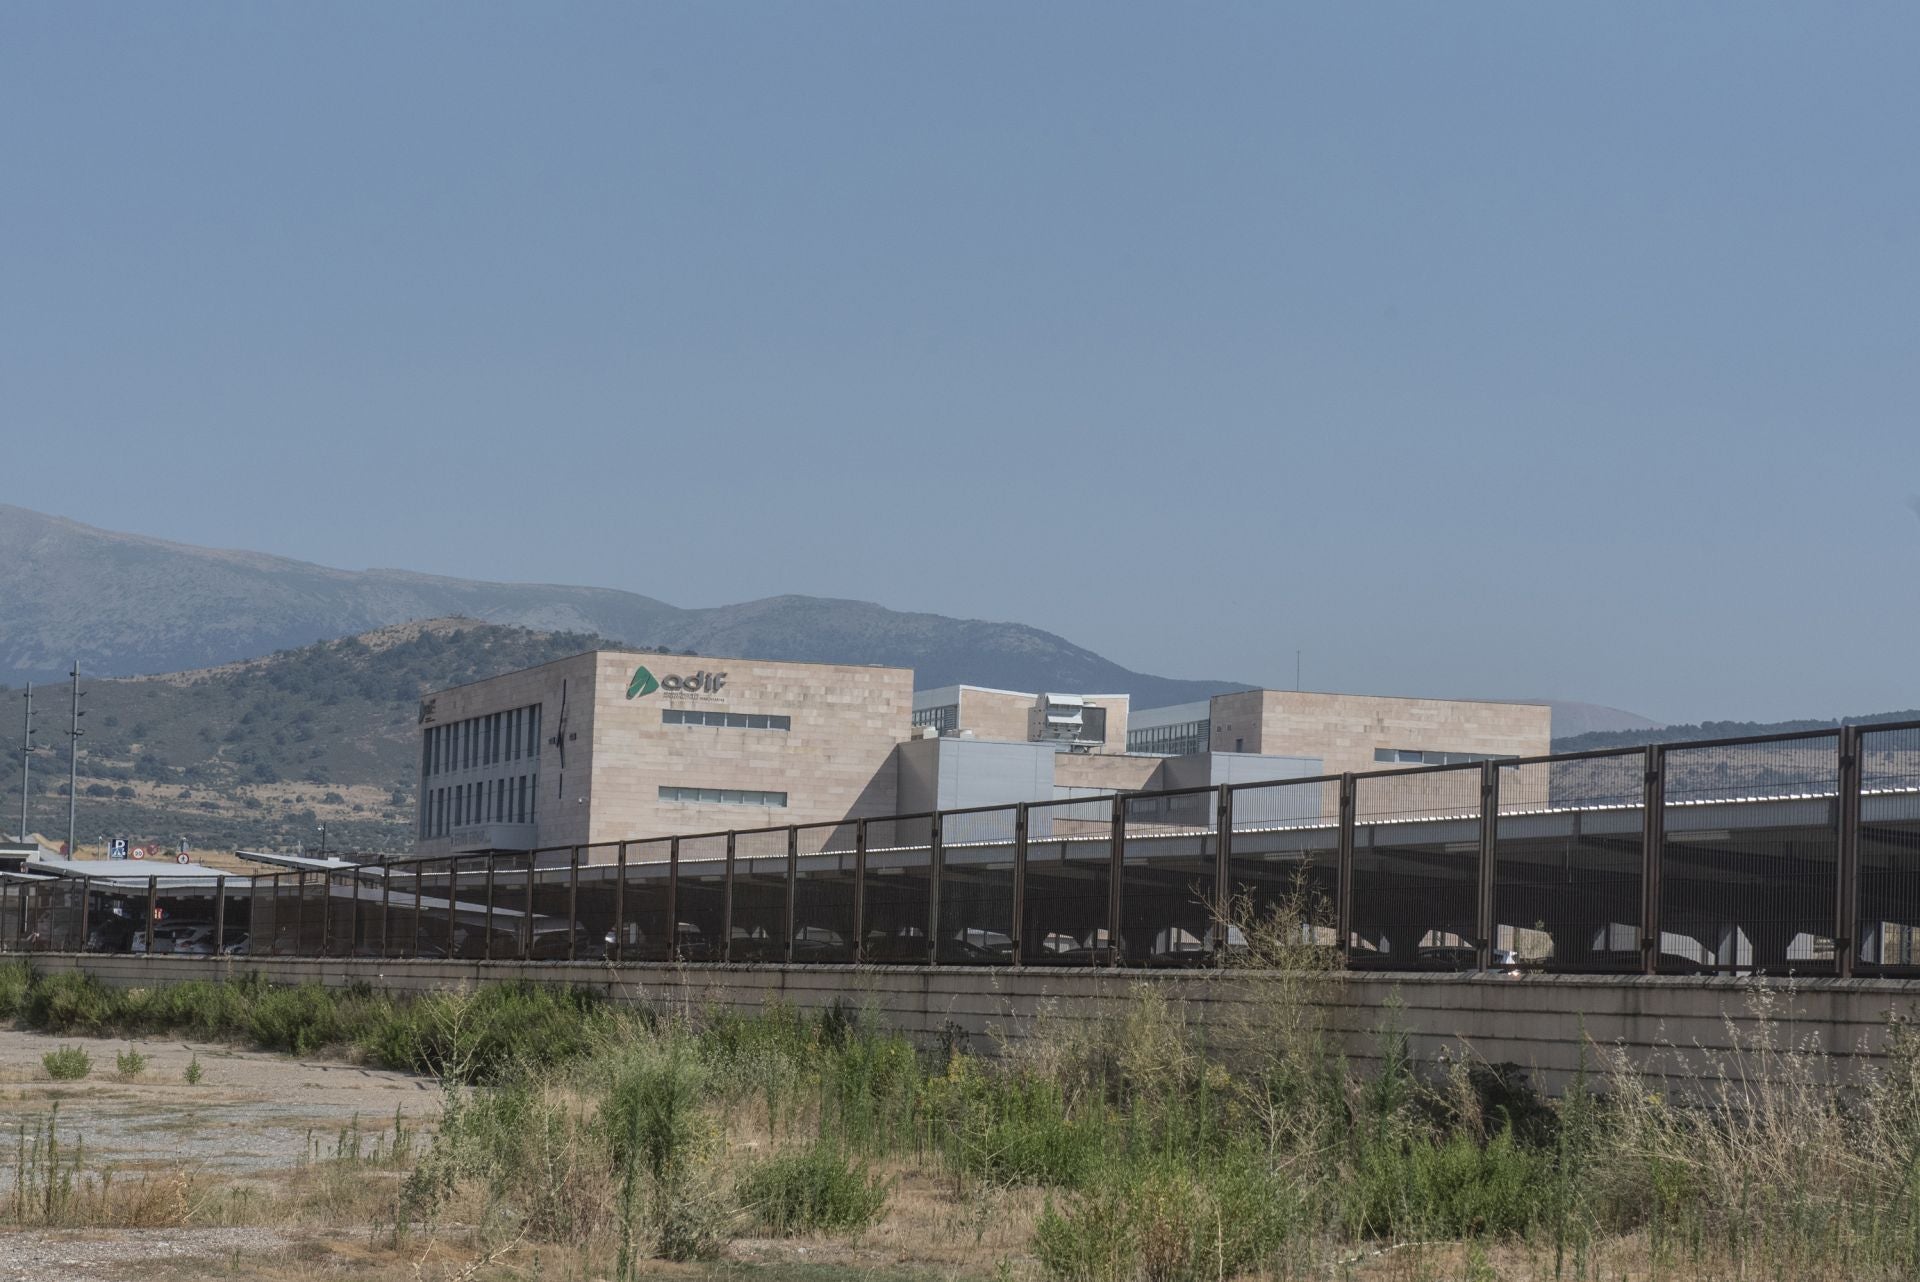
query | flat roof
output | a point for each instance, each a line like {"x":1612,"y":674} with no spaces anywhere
{"x":1350,"y":694}
{"x":940,"y":696}
{"x":656,"y":655}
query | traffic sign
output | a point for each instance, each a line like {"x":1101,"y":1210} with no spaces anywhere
{"x":181,"y":857}
{"x":117,"y":848}
{"x":139,"y":852}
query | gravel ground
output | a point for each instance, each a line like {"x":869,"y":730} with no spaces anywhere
{"x":251,"y":1112}
{"x":122,"y":1255}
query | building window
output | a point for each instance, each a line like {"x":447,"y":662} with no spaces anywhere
{"x":732,"y":720}
{"x":1177,"y":740}
{"x":945,"y":719}
{"x":722,"y":796}
{"x":1428,"y":757}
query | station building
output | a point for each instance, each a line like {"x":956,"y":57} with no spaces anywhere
{"x":615,"y":745}
{"x":609,"y":745}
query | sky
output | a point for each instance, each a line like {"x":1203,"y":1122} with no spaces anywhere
{"x":1499,"y":350}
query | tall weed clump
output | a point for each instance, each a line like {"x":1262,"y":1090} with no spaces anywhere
{"x":484,"y":1035}
{"x":71,"y":1002}
{"x":656,"y":1135}
{"x":1169,"y":1222}
{"x":15,"y":979}
{"x":298,"y":1020}
{"x":813,"y":1189}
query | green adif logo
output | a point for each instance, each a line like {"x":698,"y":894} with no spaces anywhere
{"x":701,"y":682}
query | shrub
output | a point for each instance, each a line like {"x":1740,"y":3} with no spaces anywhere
{"x":1451,"y":1186}
{"x":480,"y":1036}
{"x":69,"y":1003}
{"x":67,"y":1064}
{"x":815,"y":1189}
{"x":193,"y":1072}
{"x":1166,"y":1223}
{"x":15,"y":979}
{"x":296,"y":1020}
{"x":1014,"y":1128}
{"x":130,"y":1063}
{"x":650,"y":1117}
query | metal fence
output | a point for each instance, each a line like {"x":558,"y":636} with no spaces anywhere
{"x":1782,"y":854}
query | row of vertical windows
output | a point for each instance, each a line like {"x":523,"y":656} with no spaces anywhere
{"x":495,"y":739}
{"x":503,"y":801}
{"x":723,"y":796}
{"x":1176,"y":740}
{"x":945,"y":718}
{"x":1428,"y":757}
{"x":737,"y":720}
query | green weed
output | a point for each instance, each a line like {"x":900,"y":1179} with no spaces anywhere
{"x":816,"y":1189}
{"x":67,"y":1064}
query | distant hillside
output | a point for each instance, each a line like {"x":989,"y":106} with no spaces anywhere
{"x":1574,"y":719}
{"x":260,"y":752}
{"x":126,"y":604}
{"x":1715,"y":730}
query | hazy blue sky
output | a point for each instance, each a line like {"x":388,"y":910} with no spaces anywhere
{"x":1475,"y":349}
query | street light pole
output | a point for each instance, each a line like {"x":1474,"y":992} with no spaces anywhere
{"x":73,"y":761}
{"x":323,"y":841}
{"x":26,"y":761}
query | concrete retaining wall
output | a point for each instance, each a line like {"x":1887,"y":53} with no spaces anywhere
{"x":1689,"y":1027}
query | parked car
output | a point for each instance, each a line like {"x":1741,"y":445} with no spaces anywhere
{"x":166,"y":936}
{"x":111,"y":935}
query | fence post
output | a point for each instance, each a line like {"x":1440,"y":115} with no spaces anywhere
{"x":299,"y":912}
{"x":936,"y":864}
{"x":419,"y":883}
{"x":1483,"y":923}
{"x":726,"y":904}
{"x":1019,"y":883}
{"x":526,"y":918}
{"x":493,"y":861}
{"x":1343,"y":870}
{"x":1846,"y":931}
{"x":1222,"y":906}
{"x":573,"y":903}
{"x":673,"y":900}
{"x":326,"y":913}
{"x":859,"y":891}
{"x":1116,"y":875}
{"x":1653,"y":840}
{"x":793,"y":883}
{"x":153,"y":904}
{"x":620,"y":903}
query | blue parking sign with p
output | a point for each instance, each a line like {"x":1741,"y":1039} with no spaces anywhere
{"x":118,"y":849}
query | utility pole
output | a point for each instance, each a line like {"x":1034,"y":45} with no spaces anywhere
{"x":26,"y":761}
{"x":73,"y":761}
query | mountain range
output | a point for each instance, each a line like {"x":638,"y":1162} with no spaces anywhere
{"x":126,"y":604}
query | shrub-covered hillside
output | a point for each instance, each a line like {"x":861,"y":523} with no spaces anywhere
{"x":260,"y":753}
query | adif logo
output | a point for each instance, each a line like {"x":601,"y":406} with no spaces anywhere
{"x":644,"y":683}
{"x":698,"y":683}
